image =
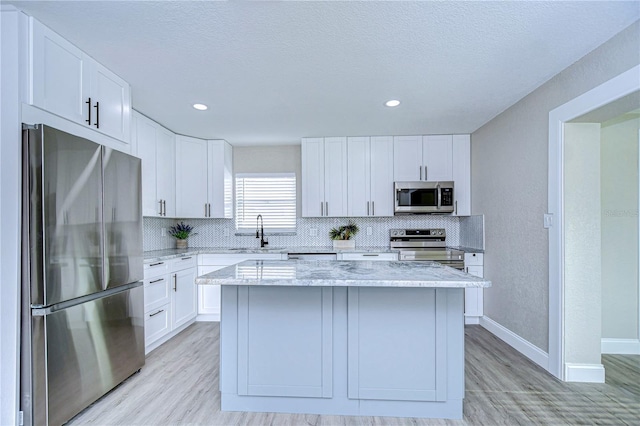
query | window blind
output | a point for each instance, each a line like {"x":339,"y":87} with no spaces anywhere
{"x":273,"y":195}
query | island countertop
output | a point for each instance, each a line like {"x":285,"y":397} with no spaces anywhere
{"x":341,"y":274}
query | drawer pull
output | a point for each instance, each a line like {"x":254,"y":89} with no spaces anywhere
{"x":371,"y":255}
{"x":185,"y":258}
{"x":153,"y":315}
{"x":155,"y":281}
{"x":156,"y":264}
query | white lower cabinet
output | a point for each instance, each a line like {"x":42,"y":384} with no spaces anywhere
{"x":169,"y":298}
{"x":368,"y":256}
{"x":473,"y":297}
{"x":209,"y":295}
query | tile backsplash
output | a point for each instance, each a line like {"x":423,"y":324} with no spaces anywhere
{"x":465,"y":231}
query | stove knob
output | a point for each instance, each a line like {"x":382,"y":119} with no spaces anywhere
{"x":401,"y":232}
{"x":394,"y":232}
{"x":439,"y":232}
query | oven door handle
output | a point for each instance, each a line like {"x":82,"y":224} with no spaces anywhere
{"x":439,"y":196}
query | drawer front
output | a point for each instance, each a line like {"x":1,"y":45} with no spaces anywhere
{"x":185,"y":262}
{"x":473,"y":259}
{"x":232,"y":259}
{"x":156,"y":292}
{"x":153,"y":269}
{"x":370,"y":256}
{"x":157,"y":323}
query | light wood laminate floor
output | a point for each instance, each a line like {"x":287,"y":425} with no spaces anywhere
{"x":179,"y":386}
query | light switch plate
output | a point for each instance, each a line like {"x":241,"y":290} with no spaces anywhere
{"x":369,"y":230}
{"x":163,"y":232}
{"x":548,"y":220}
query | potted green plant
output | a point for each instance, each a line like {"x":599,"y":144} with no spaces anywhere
{"x":181,"y":232}
{"x":342,"y":235}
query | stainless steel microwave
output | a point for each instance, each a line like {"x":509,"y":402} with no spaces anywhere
{"x":424,"y":197}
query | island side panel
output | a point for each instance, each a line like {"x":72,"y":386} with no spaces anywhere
{"x":340,"y":403}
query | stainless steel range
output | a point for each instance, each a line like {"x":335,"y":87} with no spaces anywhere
{"x":425,"y":244}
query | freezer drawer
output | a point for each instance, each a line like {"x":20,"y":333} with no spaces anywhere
{"x":81,"y":352}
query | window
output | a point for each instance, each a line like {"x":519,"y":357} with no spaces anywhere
{"x":273,"y":195}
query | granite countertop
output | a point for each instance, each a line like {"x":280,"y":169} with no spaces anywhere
{"x":466,"y":249}
{"x":159,"y":255}
{"x":341,"y":274}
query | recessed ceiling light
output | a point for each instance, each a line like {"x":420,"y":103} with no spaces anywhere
{"x":200,"y":107}
{"x":392,"y":103}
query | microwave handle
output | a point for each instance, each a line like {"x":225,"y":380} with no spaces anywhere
{"x":439,"y":196}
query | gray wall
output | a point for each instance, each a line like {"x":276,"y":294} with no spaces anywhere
{"x":270,"y":159}
{"x":619,"y":162}
{"x":509,"y":186}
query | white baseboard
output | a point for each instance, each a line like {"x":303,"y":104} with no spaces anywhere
{"x":585,"y":373}
{"x":621,"y":346}
{"x":471,"y":320}
{"x":526,"y":348}
{"x":208,"y":317}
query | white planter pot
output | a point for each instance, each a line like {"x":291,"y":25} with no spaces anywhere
{"x":344,"y":244}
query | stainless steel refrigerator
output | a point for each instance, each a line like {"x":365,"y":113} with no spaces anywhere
{"x":82,"y":327}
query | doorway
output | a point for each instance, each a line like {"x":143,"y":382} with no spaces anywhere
{"x":575,"y":238}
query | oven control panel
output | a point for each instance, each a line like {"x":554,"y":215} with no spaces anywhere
{"x":418,"y":233}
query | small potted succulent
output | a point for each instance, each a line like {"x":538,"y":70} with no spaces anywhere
{"x":181,"y":232}
{"x":342,"y":235}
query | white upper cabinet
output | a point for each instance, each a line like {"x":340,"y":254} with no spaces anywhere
{"x":191,"y":177}
{"x":427,"y":158}
{"x":204,"y":176}
{"x":58,"y":83}
{"x":324,"y":177}
{"x":370,"y":176}
{"x":437,"y":157}
{"x":156,"y":148}
{"x":67,"y":82}
{"x":462,"y":174}
{"x":407,"y":158}
{"x":220,"y":182}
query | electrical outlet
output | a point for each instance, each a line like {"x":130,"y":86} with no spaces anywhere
{"x":313,"y":232}
{"x":369,"y":230}
{"x":163,"y":232}
{"x":226,"y":232}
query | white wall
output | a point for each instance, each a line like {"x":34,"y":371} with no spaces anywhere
{"x":582,"y":209}
{"x":619,"y":165}
{"x":509,"y":186}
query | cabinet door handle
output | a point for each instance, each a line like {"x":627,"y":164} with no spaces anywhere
{"x":153,"y":315}
{"x":426,"y":175}
{"x":420,"y":172}
{"x":367,"y":208}
{"x":156,"y":264}
{"x":321,"y":208}
{"x":205,"y":209}
{"x":456,"y":209}
{"x":164,"y":207}
{"x":175,"y":282}
{"x":160,"y":202}
{"x":185,"y":258}
{"x":97,"y":115}
{"x":156,"y":281}
{"x":326,"y":208}
{"x":209,"y":209}
{"x":373,"y":208}
{"x":88,"y":120}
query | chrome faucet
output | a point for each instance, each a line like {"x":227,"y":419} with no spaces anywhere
{"x":260,"y":231}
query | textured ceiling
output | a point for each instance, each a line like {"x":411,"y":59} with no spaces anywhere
{"x":273,"y":72}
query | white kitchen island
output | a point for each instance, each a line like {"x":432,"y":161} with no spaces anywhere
{"x":342,"y":337}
